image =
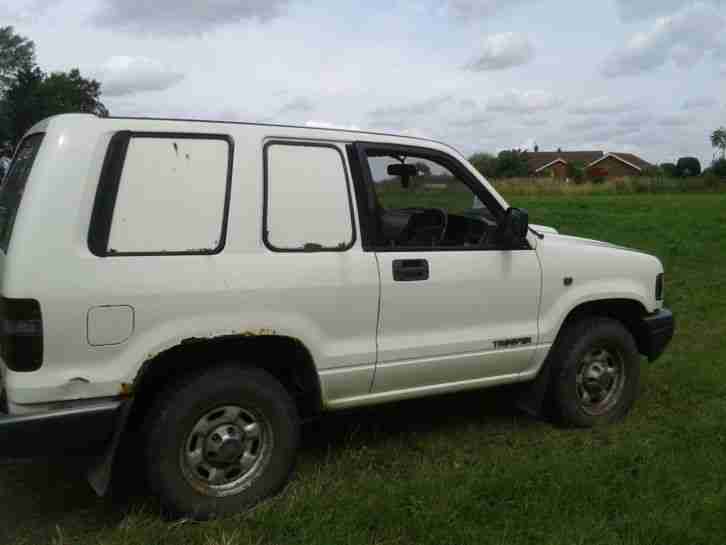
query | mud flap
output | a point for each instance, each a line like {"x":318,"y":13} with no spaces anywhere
{"x":533,"y":395}
{"x":99,"y":474}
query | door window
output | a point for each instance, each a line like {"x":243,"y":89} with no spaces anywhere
{"x":421,"y":203}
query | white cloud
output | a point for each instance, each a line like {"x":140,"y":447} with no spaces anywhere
{"x":523,"y":102}
{"x":674,"y":121}
{"x":683,"y":37}
{"x":636,"y":119}
{"x":500,"y":51}
{"x":477,"y":120}
{"x":328,"y":125}
{"x":183,"y":16}
{"x":604,"y":105}
{"x":479,"y":9}
{"x":634,"y":10}
{"x":609,"y":134}
{"x":297,"y":106}
{"x":699,"y":103}
{"x":122,"y":75}
{"x":23,"y":11}
{"x":10,"y":16}
{"x":529,"y":144}
{"x":587,"y":124}
{"x":414,"y":109}
{"x":631,"y":10}
{"x":534,"y":122}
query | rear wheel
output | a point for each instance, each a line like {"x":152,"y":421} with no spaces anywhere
{"x":221,"y":441}
{"x":597,"y":373}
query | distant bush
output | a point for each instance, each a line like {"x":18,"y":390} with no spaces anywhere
{"x":688,"y":166}
{"x":718,"y":168}
{"x":508,"y":164}
{"x":670,"y":170}
{"x":512,"y":164}
{"x":484,"y":163}
{"x":576,"y":172}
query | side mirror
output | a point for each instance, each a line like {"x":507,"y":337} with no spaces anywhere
{"x":514,"y":226}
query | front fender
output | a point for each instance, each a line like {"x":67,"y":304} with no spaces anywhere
{"x":616,"y":289}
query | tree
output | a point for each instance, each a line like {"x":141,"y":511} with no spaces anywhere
{"x":512,"y":164}
{"x":669,"y":169}
{"x":688,"y":166}
{"x":484,"y":163}
{"x":70,"y":92}
{"x":423,"y":169}
{"x":576,"y":171}
{"x":718,"y":140}
{"x":16,"y":53}
{"x":34,"y":95}
{"x":718,"y":168}
{"x":21,"y":105}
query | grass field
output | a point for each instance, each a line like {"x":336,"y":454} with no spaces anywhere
{"x":470,"y":468}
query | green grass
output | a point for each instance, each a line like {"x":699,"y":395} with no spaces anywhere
{"x":470,"y":468}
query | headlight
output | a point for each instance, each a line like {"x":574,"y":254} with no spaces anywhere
{"x":659,"y":287}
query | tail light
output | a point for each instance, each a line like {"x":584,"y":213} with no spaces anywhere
{"x":659,"y":281}
{"x":21,"y":334}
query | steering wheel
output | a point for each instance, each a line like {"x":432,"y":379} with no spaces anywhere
{"x":418,"y":227}
{"x":483,"y":238}
{"x":474,"y":236}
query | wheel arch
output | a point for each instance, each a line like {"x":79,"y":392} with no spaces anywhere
{"x":287,"y":358}
{"x":629,"y":312}
{"x":284,"y":357}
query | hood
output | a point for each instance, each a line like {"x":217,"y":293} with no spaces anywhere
{"x":578,"y":241}
{"x":543,"y":229}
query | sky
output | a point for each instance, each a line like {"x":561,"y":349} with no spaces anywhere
{"x":640,"y":76}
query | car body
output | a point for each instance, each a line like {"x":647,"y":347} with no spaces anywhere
{"x":139,"y":242}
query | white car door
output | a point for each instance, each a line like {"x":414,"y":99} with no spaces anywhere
{"x":455,"y":305}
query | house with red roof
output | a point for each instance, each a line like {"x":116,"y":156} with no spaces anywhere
{"x":597,"y":163}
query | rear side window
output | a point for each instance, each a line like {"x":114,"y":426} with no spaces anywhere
{"x":307,"y":198}
{"x":171,"y":195}
{"x":11,"y":191}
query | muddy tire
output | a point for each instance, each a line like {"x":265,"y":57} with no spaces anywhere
{"x":596,"y":374}
{"x":220,"y":441}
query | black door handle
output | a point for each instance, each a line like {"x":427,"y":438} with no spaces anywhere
{"x":410,"y":270}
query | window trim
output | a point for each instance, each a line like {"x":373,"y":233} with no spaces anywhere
{"x":104,"y":203}
{"x":365,"y":189}
{"x":266,"y":197}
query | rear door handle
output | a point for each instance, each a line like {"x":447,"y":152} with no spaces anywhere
{"x":410,"y":270}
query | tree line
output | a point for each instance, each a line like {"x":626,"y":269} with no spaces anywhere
{"x":28,"y":94}
{"x":514,"y":164}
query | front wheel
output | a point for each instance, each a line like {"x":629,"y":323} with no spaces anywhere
{"x":597,"y":373}
{"x":220,"y":442}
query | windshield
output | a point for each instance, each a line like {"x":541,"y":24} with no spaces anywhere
{"x":13,"y":186}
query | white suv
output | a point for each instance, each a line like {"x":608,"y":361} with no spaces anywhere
{"x":205,"y":285}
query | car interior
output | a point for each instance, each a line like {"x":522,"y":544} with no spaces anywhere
{"x":430,"y":226}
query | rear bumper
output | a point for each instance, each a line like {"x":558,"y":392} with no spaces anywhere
{"x":658,"y":332}
{"x":80,"y":429}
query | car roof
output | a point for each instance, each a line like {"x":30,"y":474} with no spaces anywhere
{"x":290,"y":126}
